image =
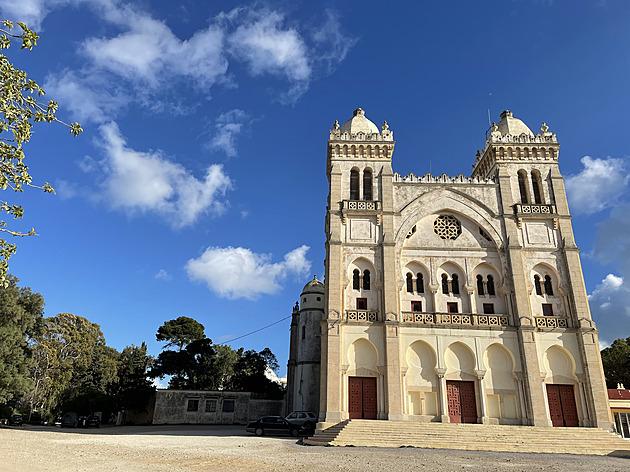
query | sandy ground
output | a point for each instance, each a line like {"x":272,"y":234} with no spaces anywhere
{"x":230,"y":448}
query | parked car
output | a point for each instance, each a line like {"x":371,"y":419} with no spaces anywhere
{"x":16,"y":420}
{"x":70,"y":420}
{"x":93,"y":421}
{"x":58,"y":420}
{"x":308,"y":419}
{"x":273,"y":425}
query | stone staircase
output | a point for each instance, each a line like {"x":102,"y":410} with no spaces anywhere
{"x":474,"y":437}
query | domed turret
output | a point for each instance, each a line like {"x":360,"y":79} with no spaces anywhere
{"x":314,"y":286}
{"x":512,"y":126}
{"x":359,"y":124}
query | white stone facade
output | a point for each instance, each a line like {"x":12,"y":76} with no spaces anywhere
{"x":452,"y":298}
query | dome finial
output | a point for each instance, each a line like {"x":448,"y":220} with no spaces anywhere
{"x":359,"y":112}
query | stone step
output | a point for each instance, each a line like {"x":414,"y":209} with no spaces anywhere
{"x":471,"y":437}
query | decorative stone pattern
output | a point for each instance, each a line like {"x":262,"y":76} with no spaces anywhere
{"x":360,"y":205}
{"x":551,"y":322}
{"x":447,"y":227}
{"x":362,"y":315}
{"x":454,"y":319}
{"x":535,"y":209}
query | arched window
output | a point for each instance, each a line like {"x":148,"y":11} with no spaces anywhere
{"x":522,"y":186}
{"x":444,"y":284}
{"x":480,"y":290}
{"x":490,"y":285}
{"x":548,"y":287}
{"x":455,"y":284}
{"x":367,"y":184}
{"x":537,"y":186}
{"x":409,"y":283}
{"x":366,"y":279}
{"x":354,"y":184}
{"x":537,"y":285}
{"x":420,"y":283}
{"x":303,"y":332}
{"x":356,"y":285}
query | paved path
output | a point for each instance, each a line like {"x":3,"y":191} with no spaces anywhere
{"x":230,"y":448}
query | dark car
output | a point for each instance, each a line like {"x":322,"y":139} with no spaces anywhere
{"x":273,"y":425}
{"x":70,"y":420}
{"x":16,"y":420}
{"x":93,"y":421}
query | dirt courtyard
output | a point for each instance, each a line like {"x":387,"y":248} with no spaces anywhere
{"x":230,"y":448}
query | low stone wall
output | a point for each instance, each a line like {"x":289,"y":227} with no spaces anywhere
{"x":211,"y":407}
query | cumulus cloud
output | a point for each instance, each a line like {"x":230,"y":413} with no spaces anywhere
{"x":269,"y":48}
{"x":240,"y":273}
{"x":228,"y":126}
{"x":610,"y":301}
{"x":598,"y":186}
{"x":147,"y":182}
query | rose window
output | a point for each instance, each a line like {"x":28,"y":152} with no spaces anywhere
{"x":447,"y":227}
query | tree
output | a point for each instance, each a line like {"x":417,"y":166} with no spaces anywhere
{"x":180,"y":332}
{"x":21,"y":312}
{"x":133,"y":389}
{"x":616,"y":362}
{"x":19,"y":111}
{"x":250,"y":373}
{"x":63,"y":353}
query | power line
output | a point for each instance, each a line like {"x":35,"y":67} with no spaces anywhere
{"x":259,"y":329}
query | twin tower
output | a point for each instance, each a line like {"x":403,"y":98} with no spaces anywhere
{"x":448,"y":299}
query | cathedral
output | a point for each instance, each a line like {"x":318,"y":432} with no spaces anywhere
{"x":447,"y":299}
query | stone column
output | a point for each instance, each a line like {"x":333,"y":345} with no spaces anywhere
{"x":482,"y":396}
{"x":442,"y":393}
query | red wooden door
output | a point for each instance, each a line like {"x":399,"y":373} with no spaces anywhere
{"x":369,"y":398}
{"x":462,"y":403}
{"x":454,"y":404}
{"x":362,"y":398}
{"x":469,"y":402}
{"x":562,"y":407}
{"x":355,"y":392}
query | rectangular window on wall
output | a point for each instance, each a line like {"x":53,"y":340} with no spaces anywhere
{"x":228,"y":406}
{"x":361,"y":303}
{"x":193,"y":405}
{"x":488,"y":308}
{"x":547,"y":309}
{"x":452,"y":307}
{"x":416,"y":306}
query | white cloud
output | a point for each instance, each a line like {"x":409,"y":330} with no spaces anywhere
{"x":610,"y":308}
{"x":151,"y":53}
{"x":334,"y":44}
{"x":228,"y":126}
{"x":65,"y":189}
{"x":240,"y":273}
{"x":163,"y":275}
{"x":598,"y":186}
{"x":268,"y":48}
{"x":86,"y":97}
{"x":31,"y":12}
{"x":147,"y":182}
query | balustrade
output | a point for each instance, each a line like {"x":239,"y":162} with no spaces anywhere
{"x":551,"y":322}
{"x":469,"y":319}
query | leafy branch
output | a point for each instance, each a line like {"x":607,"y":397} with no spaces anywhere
{"x":20,"y":109}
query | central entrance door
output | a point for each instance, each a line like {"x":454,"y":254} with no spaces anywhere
{"x":462,"y":404}
{"x":362,"y":397}
{"x":562,"y":406}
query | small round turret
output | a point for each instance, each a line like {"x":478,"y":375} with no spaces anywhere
{"x":312,"y":295}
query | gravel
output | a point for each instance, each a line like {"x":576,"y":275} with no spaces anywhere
{"x":230,"y":448}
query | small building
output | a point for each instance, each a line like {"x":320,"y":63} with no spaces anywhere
{"x":211,"y":407}
{"x":619,"y":399}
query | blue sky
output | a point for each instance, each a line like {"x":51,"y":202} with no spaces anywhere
{"x":198,"y":187}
